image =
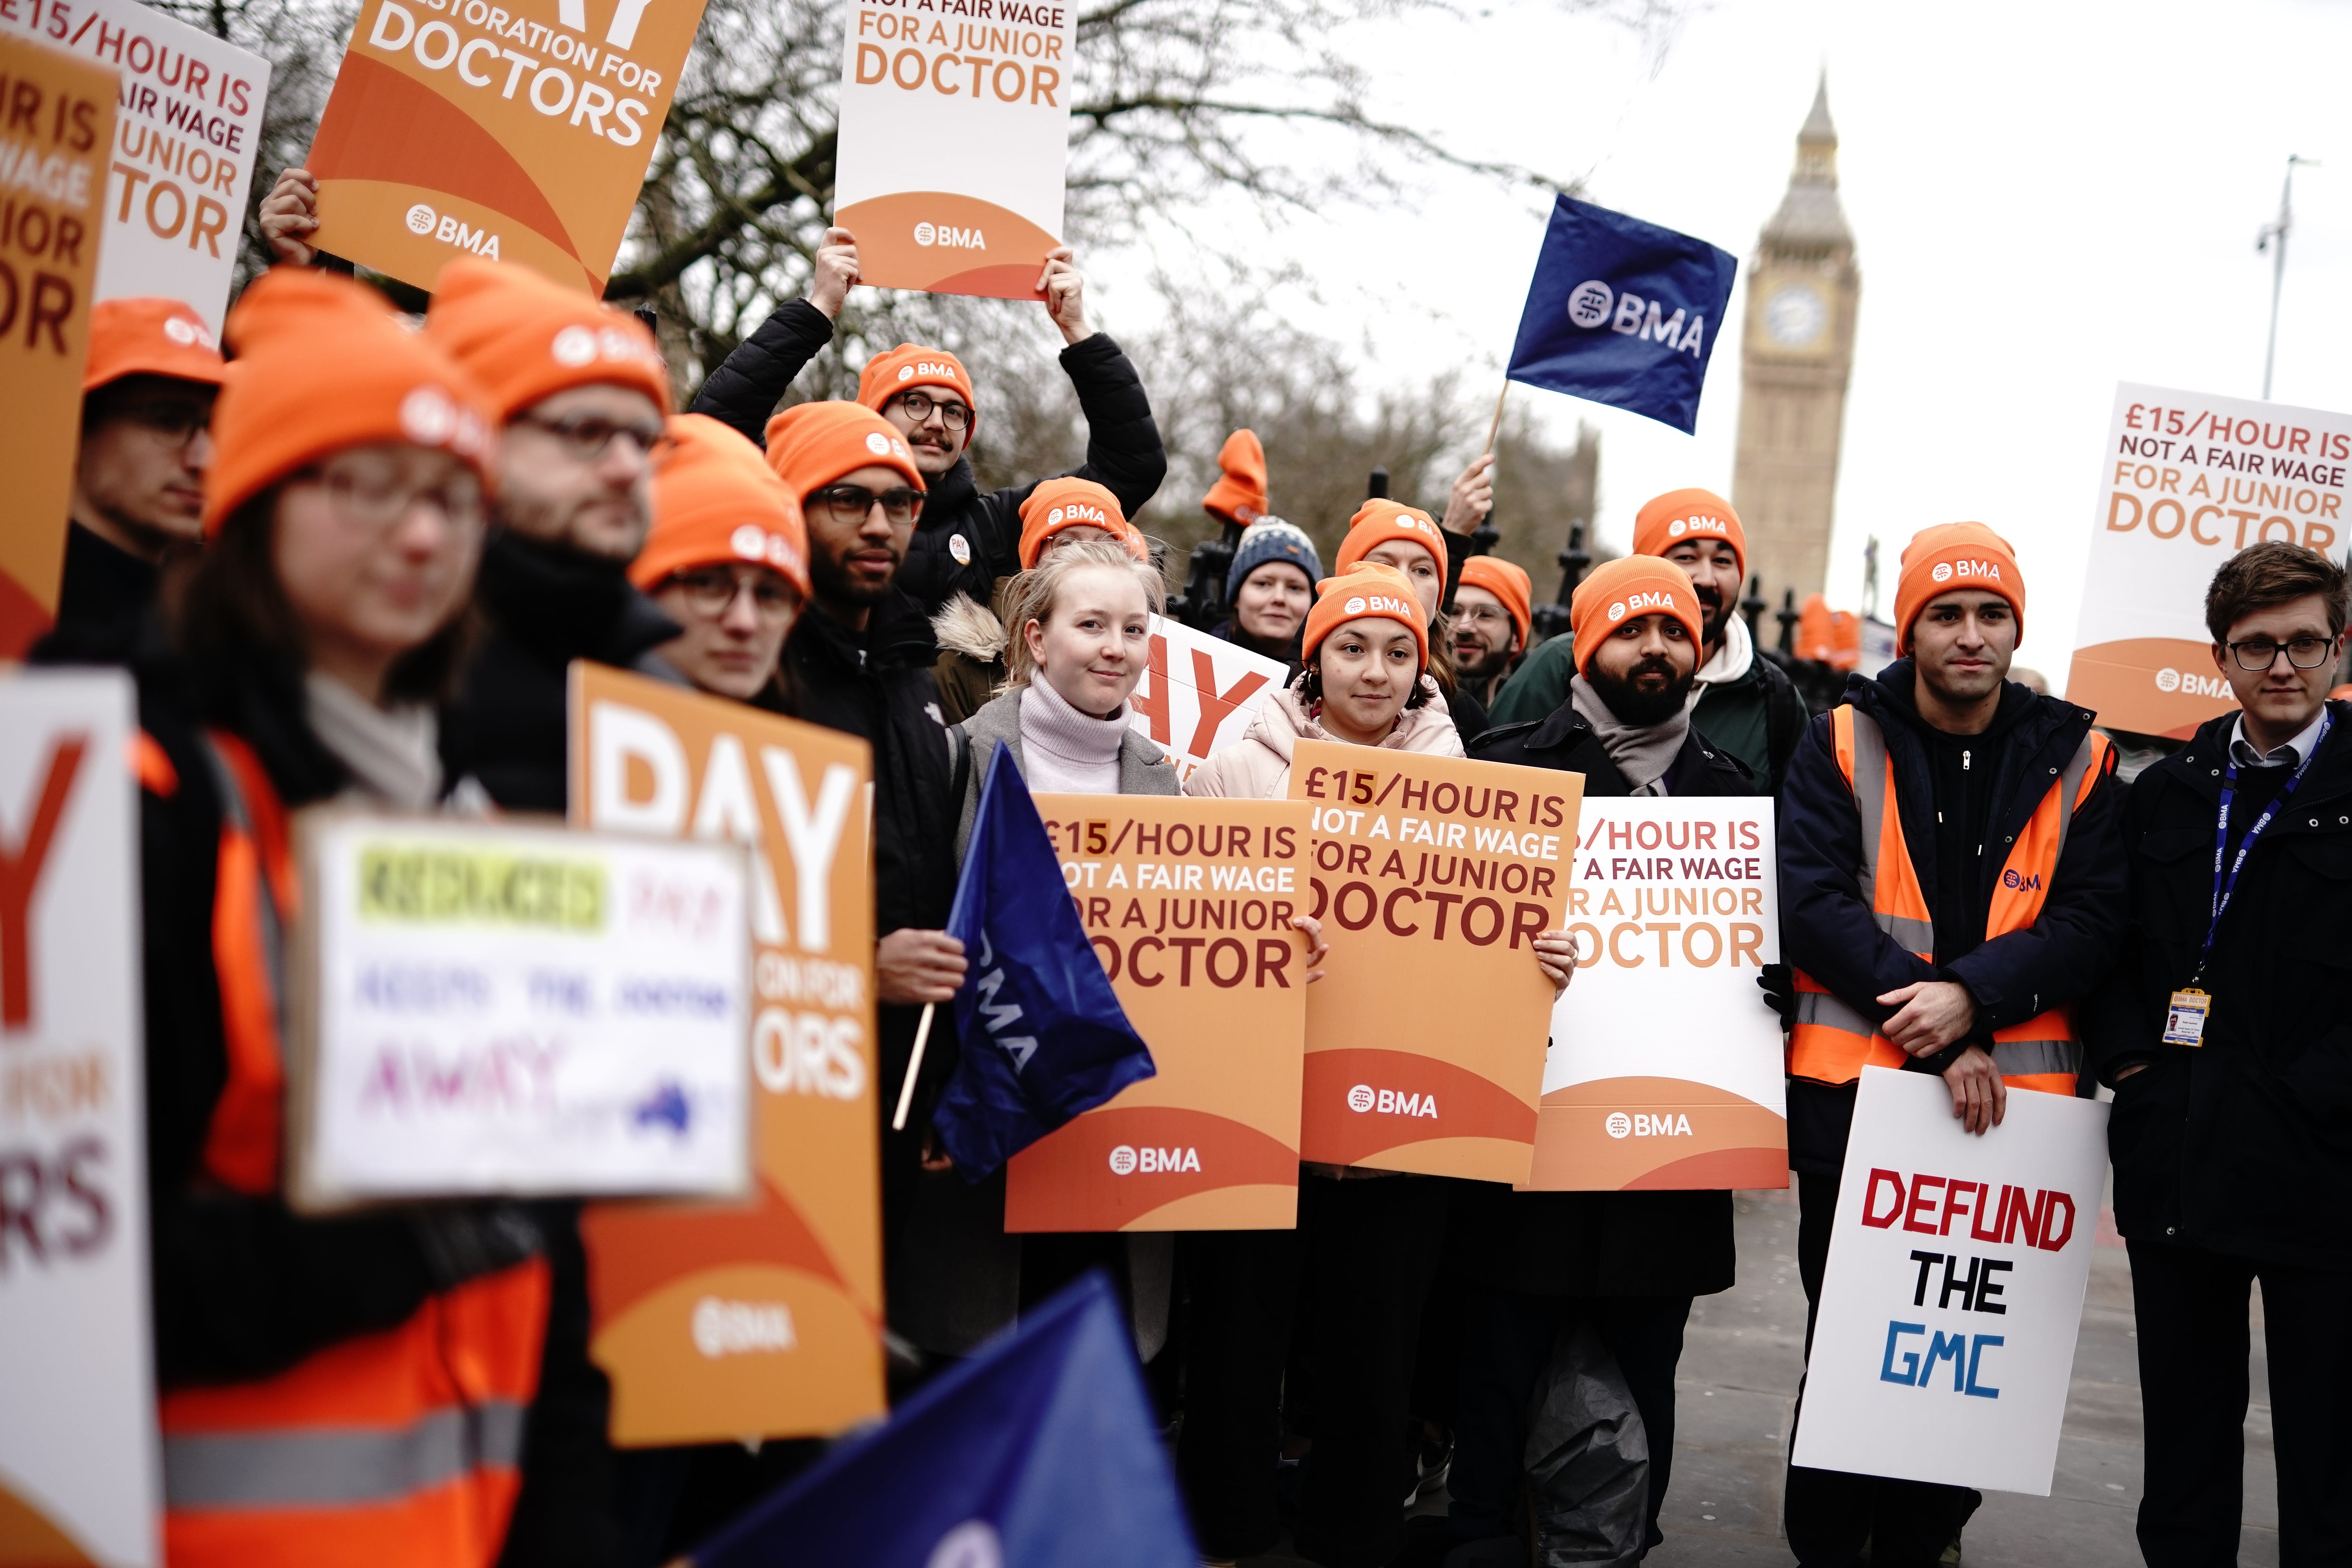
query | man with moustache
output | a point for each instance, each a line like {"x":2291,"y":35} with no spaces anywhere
{"x":583,"y":392}
{"x":1627,"y":1263}
{"x":1490,"y":623}
{"x":1952,"y":878}
{"x":966,"y":539}
{"x":1746,"y":703}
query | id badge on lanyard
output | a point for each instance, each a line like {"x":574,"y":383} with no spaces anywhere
{"x":2184,"y":1022}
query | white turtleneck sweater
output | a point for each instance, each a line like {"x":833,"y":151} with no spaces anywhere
{"x":1065,"y":750}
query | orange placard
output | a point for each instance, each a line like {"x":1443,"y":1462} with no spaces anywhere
{"x":518,"y":131}
{"x":734,"y":1321}
{"x":1431,"y":876}
{"x":60,"y":124}
{"x":1187,"y":904}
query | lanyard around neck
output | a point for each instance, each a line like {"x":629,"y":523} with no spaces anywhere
{"x":2224,"y":890}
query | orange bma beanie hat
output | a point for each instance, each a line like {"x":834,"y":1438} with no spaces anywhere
{"x":1364,"y":591}
{"x":1239,"y":494}
{"x":1378,"y":521}
{"x":1058,"y":504}
{"x":1668,"y":520}
{"x":1626,"y":589}
{"x":1955,"y":555}
{"x":813,"y":445}
{"x":322,"y":365}
{"x":716,"y":500}
{"x":149,"y":337}
{"x":1506,"y":583}
{"x":908,"y":366}
{"x":526,"y":338}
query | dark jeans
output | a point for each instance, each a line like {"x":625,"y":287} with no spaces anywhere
{"x":2192,"y":1308}
{"x":1830,"y":1514}
{"x":1509,"y":1340}
{"x":1366,"y":1251}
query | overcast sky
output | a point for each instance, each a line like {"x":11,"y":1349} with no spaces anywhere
{"x":2045,"y":198}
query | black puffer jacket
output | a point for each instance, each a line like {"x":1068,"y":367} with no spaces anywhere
{"x":1600,"y":1243}
{"x":966,"y":541}
{"x":546,"y":606}
{"x":879,"y":686}
{"x":2242,"y":1145}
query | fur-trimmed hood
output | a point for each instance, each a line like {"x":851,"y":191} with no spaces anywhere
{"x":966,"y":626}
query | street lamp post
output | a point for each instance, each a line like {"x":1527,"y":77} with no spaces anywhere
{"x":2272,"y":239}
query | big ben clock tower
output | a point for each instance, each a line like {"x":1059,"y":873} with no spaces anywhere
{"x":1801,"y":292}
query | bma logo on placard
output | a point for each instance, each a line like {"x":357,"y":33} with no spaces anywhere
{"x":1364,"y":1099}
{"x":1592,"y":304}
{"x":2189,"y":683}
{"x":1647,"y":1124}
{"x":929,"y":233}
{"x":425,"y":222}
{"x":1129,"y":1161}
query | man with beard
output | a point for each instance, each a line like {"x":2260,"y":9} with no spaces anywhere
{"x":1490,"y":623}
{"x":1952,"y":878}
{"x":966,"y":539}
{"x":860,"y":661}
{"x":1746,"y":702}
{"x":1626,"y":1263}
{"x":582,"y":392}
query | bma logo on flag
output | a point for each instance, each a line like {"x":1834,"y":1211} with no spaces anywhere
{"x":1592,"y":304}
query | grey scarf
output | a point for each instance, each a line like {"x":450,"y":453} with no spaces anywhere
{"x":1642,"y":752}
{"x":391,"y":752}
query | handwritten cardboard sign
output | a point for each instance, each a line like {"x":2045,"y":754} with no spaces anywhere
{"x":993,"y":80}
{"x":765,"y":1317}
{"x":79,"y":1479}
{"x":2187,"y":479}
{"x":1187,"y":904}
{"x":1665,"y":1067}
{"x":518,"y":131}
{"x":187,"y":127}
{"x":1431,"y":876}
{"x":1198,"y":694}
{"x":505,"y":1007}
{"x":1949,"y":1314}
{"x":55,"y":137}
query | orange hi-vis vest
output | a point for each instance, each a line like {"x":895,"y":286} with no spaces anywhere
{"x":1832,"y":1042}
{"x":400,"y":1447}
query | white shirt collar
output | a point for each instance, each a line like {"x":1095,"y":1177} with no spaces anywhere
{"x":2242,"y":751}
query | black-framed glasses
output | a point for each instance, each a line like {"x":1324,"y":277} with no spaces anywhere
{"x":2258,"y":654}
{"x":851,"y":504}
{"x":711,"y":591}
{"x":919,"y":406}
{"x":374,"y":492}
{"x":585,"y":436}
{"x":173,"y":420}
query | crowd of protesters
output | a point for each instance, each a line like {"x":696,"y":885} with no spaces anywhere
{"x":353,"y":559}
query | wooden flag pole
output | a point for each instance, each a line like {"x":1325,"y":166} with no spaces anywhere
{"x":914,"y":1067}
{"x":1495,"y":428}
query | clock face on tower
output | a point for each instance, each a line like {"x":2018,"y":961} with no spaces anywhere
{"x":1795,"y":316}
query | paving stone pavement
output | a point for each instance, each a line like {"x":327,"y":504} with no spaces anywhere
{"x":1740,"y":1364}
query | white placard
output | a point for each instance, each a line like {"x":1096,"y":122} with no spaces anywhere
{"x":2187,"y":480}
{"x":1199,"y":693}
{"x":187,"y":127}
{"x":492,"y":1008}
{"x":1665,"y":1067}
{"x":1945,"y":1336}
{"x":78,"y":1445}
{"x":992,"y":82}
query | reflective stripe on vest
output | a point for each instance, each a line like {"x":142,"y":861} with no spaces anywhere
{"x":1831,"y":1041}
{"x":400,"y":1447}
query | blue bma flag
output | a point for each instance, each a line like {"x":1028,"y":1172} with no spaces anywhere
{"x":1622,"y":312}
{"x":1039,"y":1452}
{"x":1043,"y":1034}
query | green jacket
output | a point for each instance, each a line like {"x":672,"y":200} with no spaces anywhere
{"x":1738,"y":715}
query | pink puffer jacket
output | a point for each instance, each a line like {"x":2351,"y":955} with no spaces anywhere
{"x":1257,"y":766}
